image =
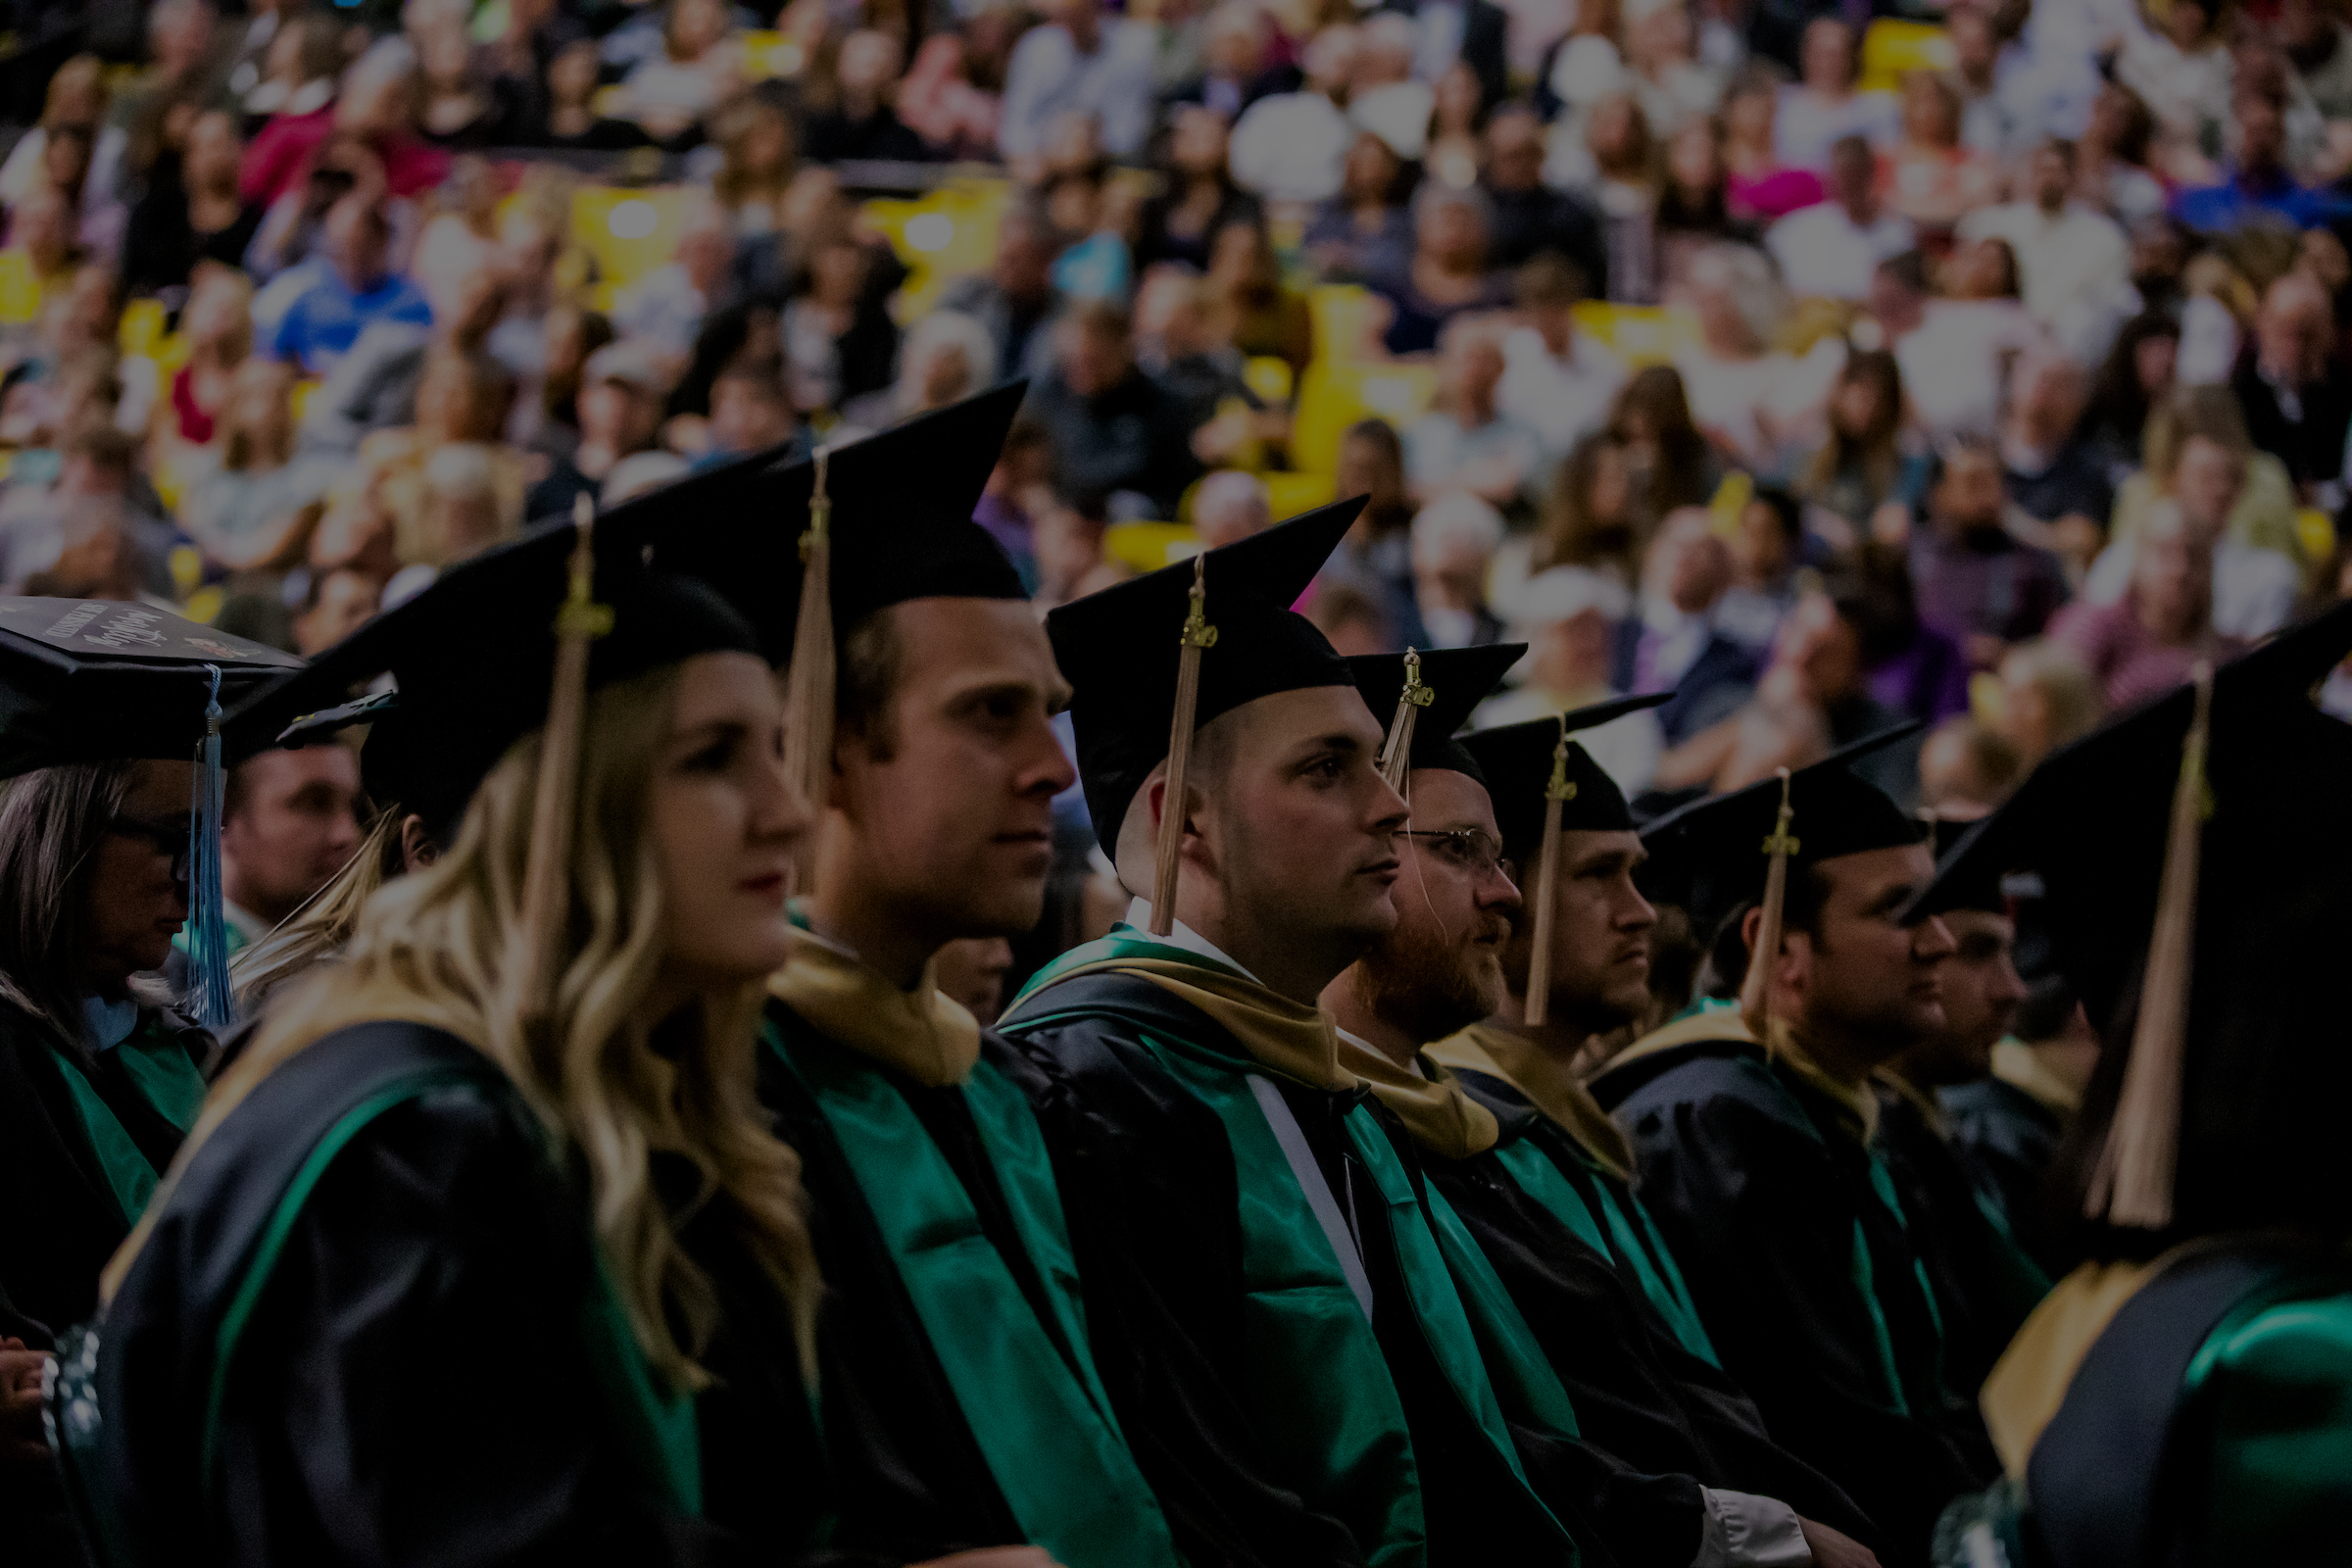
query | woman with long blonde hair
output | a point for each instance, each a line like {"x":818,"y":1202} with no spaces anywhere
{"x":483,"y":1250}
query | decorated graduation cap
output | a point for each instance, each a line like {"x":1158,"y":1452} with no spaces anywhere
{"x":1153,"y":659}
{"x":1425,"y":698}
{"x":874,"y":523}
{"x":2191,"y":857}
{"x":1543,"y":784}
{"x":92,"y":680}
{"x":1715,"y":854}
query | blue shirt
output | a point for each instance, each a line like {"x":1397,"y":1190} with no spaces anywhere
{"x":2242,"y":199}
{"x":328,"y":318}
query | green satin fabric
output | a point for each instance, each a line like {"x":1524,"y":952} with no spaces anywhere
{"x":2272,"y":1395}
{"x":1611,"y":1233}
{"x":1319,"y":1385}
{"x":127,"y":1174}
{"x":658,"y":1427}
{"x":1046,"y":1431}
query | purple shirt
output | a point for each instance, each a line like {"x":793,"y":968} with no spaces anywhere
{"x":2130,"y":665}
{"x":1985,"y":583}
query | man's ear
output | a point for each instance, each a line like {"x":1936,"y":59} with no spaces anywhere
{"x":417,"y":847}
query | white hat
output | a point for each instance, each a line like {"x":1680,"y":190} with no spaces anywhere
{"x":1566,"y":592}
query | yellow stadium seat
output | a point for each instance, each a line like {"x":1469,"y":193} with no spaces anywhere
{"x":20,"y":289}
{"x":2316,"y":531}
{"x":1269,"y":379}
{"x":1342,"y":320}
{"x":1332,"y":397}
{"x":300,"y":398}
{"x":1639,"y":334}
{"x":629,"y":232}
{"x":1891,"y":49}
{"x":142,"y":326}
{"x":1149,"y":545}
{"x":1290,"y":494}
{"x":771,"y":54}
{"x":941,"y":235}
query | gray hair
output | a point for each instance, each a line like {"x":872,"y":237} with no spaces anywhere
{"x":1457,"y":518}
{"x":945,"y":329}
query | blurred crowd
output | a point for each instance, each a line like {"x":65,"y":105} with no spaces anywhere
{"x":1985,"y":365}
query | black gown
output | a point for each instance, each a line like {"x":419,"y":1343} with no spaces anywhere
{"x":60,"y":1224}
{"x":912,"y":1474}
{"x":63,"y":1221}
{"x":1773,"y":1211}
{"x":1149,"y":1183}
{"x":2006,"y":1140}
{"x":1638,"y":1393}
{"x":1985,"y":1283}
{"x":413,"y":1384}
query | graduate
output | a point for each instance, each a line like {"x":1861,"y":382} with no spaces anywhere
{"x":1543,"y":1224}
{"x":1274,"y":1309}
{"x":1985,"y":1282}
{"x":484,"y":1250}
{"x":2006,"y":1124}
{"x":2185,"y":1395}
{"x":962,"y":1398}
{"x":1751,"y":1129}
{"x":104,"y":712}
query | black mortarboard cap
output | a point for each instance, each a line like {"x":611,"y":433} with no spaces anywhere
{"x":2261,"y":1071}
{"x":901,"y":525}
{"x":1975,"y":888}
{"x":2090,"y":820}
{"x":1458,"y":680}
{"x":474,"y":655}
{"x":1119,"y":651}
{"x":93,"y":680}
{"x":1709,"y":856}
{"x":1516,"y":759}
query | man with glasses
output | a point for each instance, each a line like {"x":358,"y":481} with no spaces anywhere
{"x":1676,"y":1466}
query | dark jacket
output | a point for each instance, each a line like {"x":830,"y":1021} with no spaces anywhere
{"x":1134,"y":437}
{"x":1718,"y":680}
{"x":1486,"y":30}
{"x":2308,"y":438}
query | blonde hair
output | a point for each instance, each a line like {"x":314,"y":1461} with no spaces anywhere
{"x":432,"y":947}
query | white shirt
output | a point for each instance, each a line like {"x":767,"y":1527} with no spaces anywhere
{"x":1951,"y":364}
{"x":1806,"y":126}
{"x":2254,"y":590}
{"x":2075,"y":270}
{"x":1180,"y":935}
{"x":1049,"y":79}
{"x":1787,"y":392}
{"x":1290,"y":147}
{"x":1824,"y":252}
{"x":1563,"y":398}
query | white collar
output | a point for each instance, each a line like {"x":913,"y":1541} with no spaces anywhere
{"x":1180,"y":935}
{"x":1413,"y":1067}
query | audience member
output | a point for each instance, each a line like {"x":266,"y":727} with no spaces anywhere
{"x":2072,"y":261}
{"x":1823,"y":108}
{"x":1121,"y":446}
{"x":2148,"y":640}
{"x":2253,"y":590}
{"x":1830,"y":248}
{"x":2295,"y":389}
{"x":1671,"y":642}
{"x":1079,"y":61}
{"x":1015,"y":296}
{"x":1454,"y":541}
{"x":1977,"y":582}
{"x":356,"y":289}
{"x":1467,"y":442}
{"x":1558,"y":381}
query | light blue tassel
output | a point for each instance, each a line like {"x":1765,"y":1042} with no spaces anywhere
{"x":209,"y":998}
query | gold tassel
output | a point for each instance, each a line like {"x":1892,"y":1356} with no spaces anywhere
{"x":1755,"y":992}
{"x":808,"y":685}
{"x":2133,"y":1182}
{"x":1197,"y":635}
{"x":544,"y":901}
{"x":1397,"y":752}
{"x":1557,"y":795}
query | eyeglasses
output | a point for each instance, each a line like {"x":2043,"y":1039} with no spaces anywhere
{"x":1466,"y":849}
{"x":168,"y":839}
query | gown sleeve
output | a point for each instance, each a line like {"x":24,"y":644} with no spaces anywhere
{"x":2278,"y":1477}
{"x":412,"y":1386}
{"x":1766,"y":1240}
